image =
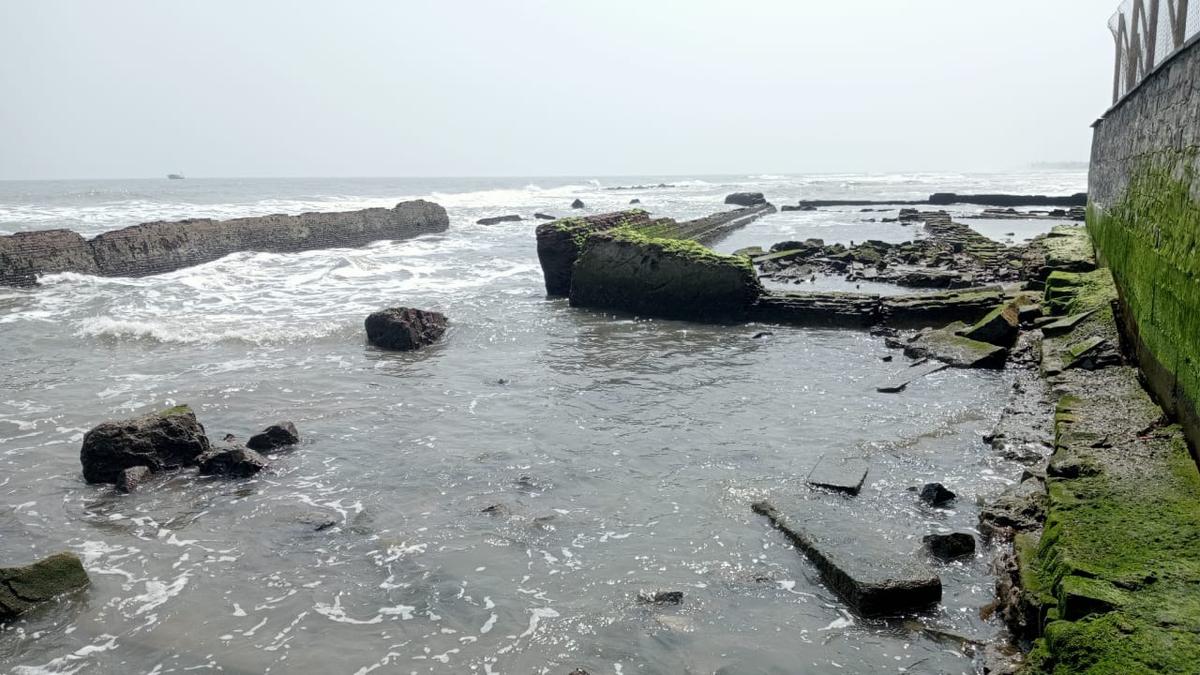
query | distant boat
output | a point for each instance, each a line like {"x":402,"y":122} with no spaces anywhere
{"x":175,"y":176}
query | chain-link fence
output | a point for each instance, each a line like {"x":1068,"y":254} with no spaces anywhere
{"x":1147,"y":32}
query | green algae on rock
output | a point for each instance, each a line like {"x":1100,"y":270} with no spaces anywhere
{"x":23,"y":588}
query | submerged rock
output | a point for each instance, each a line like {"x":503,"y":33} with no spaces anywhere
{"x":278,"y":435}
{"x":132,"y":478}
{"x":746,"y":199}
{"x":23,"y":588}
{"x":950,"y":546}
{"x":840,"y":475}
{"x":578,"y":204}
{"x":947,"y":346}
{"x":498,"y":219}
{"x":231,"y":460}
{"x":404,"y":328}
{"x":936,"y":494}
{"x":544,"y":216}
{"x":661,"y":597}
{"x":168,"y":439}
{"x":635,"y":201}
{"x":872,"y":580}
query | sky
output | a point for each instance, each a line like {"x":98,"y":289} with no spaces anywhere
{"x":139,"y":88}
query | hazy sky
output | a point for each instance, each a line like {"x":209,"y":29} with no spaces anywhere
{"x":133,"y":88}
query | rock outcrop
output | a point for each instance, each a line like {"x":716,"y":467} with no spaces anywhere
{"x":169,"y":439}
{"x":23,"y":588}
{"x":158,"y":247}
{"x":628,"y":271}
{"x":746,"y":199}
{"x":404,"y":328}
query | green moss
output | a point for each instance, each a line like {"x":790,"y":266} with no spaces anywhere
{"x":1077,"y":292}
{"x":684,"y":248}
{"x":177,"y":410}
{"x":1151,"y":241}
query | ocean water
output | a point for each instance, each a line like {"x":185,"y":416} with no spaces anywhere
{"x":625,"y":453}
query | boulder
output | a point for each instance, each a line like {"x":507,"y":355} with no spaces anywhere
{"x":278,"y":435}
{"x":669,"y":278}
{"x":159,"y":441}
{"x":404,"y":328}
{"x":578,"y":204}
{"x":936,"y":494}
{"x":950,"y":546}
{"x":1000,"y":327}
{"x":132,"y":478}
{"x":635,"y":201}
{"x":498,"y":219}
{"x":232,"y":460}
{"x":866,"y":573}
{"x":23,"y":588}
{"x":746,"y":199}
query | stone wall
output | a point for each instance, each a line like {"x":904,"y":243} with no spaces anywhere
{"x":1144,"y":217}
{"x":154,"y":248}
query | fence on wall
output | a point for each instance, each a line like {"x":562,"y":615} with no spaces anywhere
{"x":1148,"y":32}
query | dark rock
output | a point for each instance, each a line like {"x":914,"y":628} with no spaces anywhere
{"x":871,"y":578}
{"x":543,"y":216}
{"x":750,"y":251}
{"x":662,"y":278}
{"x":635,"y":201}
{"x":23,"y":588}
{"x":840,"y":475}
{"x":498,"y":219}
{"x":132,"y":478}
{"x":746,"y":199}
{"x":559,"y":244}
{"x":759,"y":336}
{"x":1020,"y":508}
{"x":931,"y":309}
{"x":907,"y":377}
{"x":936,"y":494}
{"x":231,"y":460}
{"x":578,"y":204}
{"x":164,"y":440}
{"x":494,"y":510}
{"x":834,"y":310}
{"x":950,"y":546}
{"x":661,"y":597}
{"x":278,"y":435}
{"x":404,"y":328}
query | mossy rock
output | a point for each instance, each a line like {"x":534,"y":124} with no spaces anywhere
{"x":23,"y":588}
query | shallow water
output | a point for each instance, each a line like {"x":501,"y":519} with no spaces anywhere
{"x":625,"y":453}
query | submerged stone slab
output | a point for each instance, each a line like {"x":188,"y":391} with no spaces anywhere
{"x":906,"y":377}
{"x":947,"y":346}
{"x":841,"y":475}
{"x":932,"y":309}
{"x":865,"y":572}
{"x":832,"y":310}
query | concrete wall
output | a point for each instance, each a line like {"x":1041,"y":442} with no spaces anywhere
{"x":1144,"y":216}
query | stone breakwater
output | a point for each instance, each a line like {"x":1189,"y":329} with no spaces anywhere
{"x":158,"y":247}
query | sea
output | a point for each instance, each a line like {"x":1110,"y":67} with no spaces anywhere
{"x":621,"y":454}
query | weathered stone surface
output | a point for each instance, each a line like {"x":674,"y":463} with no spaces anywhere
{"x":873,"y":580}
{"x":936,"y":494}
{"x":278,"y":435}
{"x":231,"y":460}
{"x":132,"y":478}
{"x":498,"y":219}
{"x":835,"y":310}
{"x":929,"y":309}
{"x":164,"y":440}
{"x":746,"y":199}
{"x":950,"y":546}
{"x":840,"y":475}
{"x":1020,"y":508}
{"x":627,"y":271}
{"x":23,"y":588}
{"x":1000,"y":327}
{"x":404,"y":328}
{"x":947,"y":346}
{"x":154,"y":248}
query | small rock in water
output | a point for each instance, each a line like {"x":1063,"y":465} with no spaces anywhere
{"x":498,"y":219}
{"x":950,"y":546}
{"x":759,"y":336}
{"x":404,"y":328}
{"x":278,"y":435}
{"x":22,"y":588}
{"x":578,"y":204}
{"x":887,"y":359}
{"x":746,"y":199}
{"x":635,"y":201}
{"x":936,"y":494}
{"x":661,"y":597}
{"x":544,"y":216}
{"x":234,"y":461}
{"x":578,"y":671}
{"x":133,"y":477}
{"x":494,"y":510}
